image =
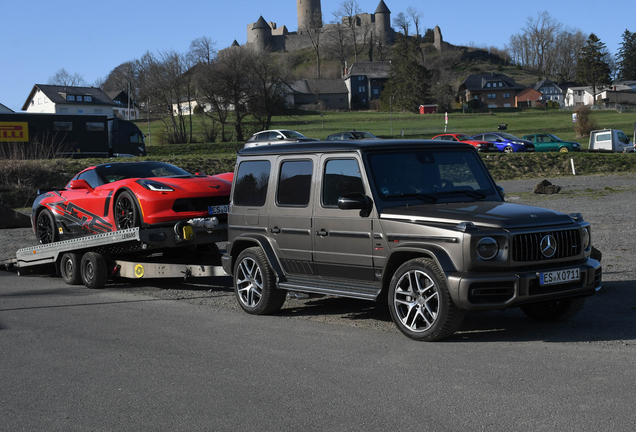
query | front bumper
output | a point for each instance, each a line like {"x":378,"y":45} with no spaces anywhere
{"x":478,"y":291}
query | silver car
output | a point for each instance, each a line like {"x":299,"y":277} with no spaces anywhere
{"x":278,"y":136}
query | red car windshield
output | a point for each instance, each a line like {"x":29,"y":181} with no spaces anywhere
{"x":119,"y":171}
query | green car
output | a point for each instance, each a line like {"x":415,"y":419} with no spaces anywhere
{"x":544,"y":142}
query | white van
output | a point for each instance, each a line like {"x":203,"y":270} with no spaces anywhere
{"x":613,"y":140}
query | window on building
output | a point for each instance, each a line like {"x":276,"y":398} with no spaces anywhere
{"x":80,"y":111}
{"x":506,"y":95}
{"x":63,"y":111}
{"x":487,"y":84}
{"x":98,"y":111}
{"x":88,"y":98}
{"x":70,"y":97}
{"x":492,"y":96}
{"x":362,"y":89}
{"x":360,"y":78}
{"x":79,"y":98}
{"x":39,"y":101}
{"x":376,"y":91}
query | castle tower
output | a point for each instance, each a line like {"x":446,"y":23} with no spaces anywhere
{"x":383,"y":29}
{"x":262,"y":34}
{"x":309,"y":14}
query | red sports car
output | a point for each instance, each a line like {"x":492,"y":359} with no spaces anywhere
{"x":121,"y":195}
{"x":484,"y":146}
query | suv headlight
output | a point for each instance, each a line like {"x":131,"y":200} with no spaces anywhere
{"x":487,"y":248}
{"x":585,"y":238}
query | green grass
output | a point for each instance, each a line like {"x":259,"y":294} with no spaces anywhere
{"x":387,"y":125}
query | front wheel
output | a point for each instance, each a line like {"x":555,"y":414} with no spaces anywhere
{"x":255,"y":283}
{"x":564,"y":150}
{"x":126,"y":212}
{"x":420,"y":303}
{"x":508,"y":149}
{"x":555,"y":310}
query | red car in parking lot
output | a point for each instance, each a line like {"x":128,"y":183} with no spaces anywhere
{"x":121,"y":195}
{"x":484,"y":146}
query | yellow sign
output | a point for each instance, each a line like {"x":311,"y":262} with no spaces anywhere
{"x":14,"y":132}
{"x":139,"y":271}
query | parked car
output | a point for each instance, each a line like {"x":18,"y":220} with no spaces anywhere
{"x":279,"y":136}
{"x":116,"y":196}
{"x":418,"y":224}
{"x":484,"y":146}
{"x":611,"y":140}
{"x":544,"y":142}
{"x":351,"y":135}
{"x":506,"y":142}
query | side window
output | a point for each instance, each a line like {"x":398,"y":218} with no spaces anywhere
{"x":342,"y":176}
{"x":90,"y":177}
{"x":294,"y":183}
{"x":623,"y":138}
{"x":251,"y":184}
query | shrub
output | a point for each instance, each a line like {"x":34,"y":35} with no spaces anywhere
{"x":585,"y":123}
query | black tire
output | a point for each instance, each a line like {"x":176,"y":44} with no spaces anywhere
{"x":126,"y":212}
{"x":420,"y":303}
{"x":255,"y":283}
{"x":555,"y":310}
{"x":70,"y":268}
{"x":93,"y":270}
{"x":508,"y":149}
{"x":45,"y":229}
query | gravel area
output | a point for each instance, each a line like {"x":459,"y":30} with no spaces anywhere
{"x":606,"y":201}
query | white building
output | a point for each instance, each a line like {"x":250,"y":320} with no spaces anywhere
{"x":55,"y":99}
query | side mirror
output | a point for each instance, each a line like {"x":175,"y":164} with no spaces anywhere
{"x":80,"y":184}
{"x":502,"y":192}
{"x":354,"y":201}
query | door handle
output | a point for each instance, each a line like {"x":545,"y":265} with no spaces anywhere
{"x":322,"y":233}
{"x":275,"y":230}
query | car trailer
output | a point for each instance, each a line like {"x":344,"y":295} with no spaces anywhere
{"x":186,"y":249}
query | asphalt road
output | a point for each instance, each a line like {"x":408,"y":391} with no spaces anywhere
{"x":115,"y":359}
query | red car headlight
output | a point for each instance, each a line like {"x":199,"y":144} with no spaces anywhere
{"x":154,"y":185}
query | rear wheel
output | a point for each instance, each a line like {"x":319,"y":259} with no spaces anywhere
{"x":126,"y":212}
{"x":555,"y":310}
{"x":93,"y":270}
{"x":45,"y":229}
{"x":70,"y":268}
{"x":420,"y":303}
{"x":255,"y":283}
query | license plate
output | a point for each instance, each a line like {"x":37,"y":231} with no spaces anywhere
{"x":219,"y":209}
{"x":559,"y":276}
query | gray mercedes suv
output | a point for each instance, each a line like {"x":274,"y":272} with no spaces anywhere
{"x":417,"y":225}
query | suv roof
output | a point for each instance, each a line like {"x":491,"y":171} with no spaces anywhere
{"x":348,"y":145}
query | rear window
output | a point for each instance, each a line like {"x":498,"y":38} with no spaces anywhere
{"x":251,"y":184}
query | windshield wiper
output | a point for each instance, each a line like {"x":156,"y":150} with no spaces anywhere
{"x":471,"y":193}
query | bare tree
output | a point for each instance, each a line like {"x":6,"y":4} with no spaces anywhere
{"x":123,"y":77}
{"x":64,"y":78}
{"x":314,"y":36}
{"x":202,"y":50}
{"x":416,"y":17}
{"x":358,"y":31}
{"x":338,"y":43}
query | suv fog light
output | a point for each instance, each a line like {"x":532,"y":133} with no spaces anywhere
{"x":487,"y":248}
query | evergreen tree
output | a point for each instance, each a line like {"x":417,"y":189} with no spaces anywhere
{"x":409,"y":81}
{"x":592,"y":67}
{"x":627,"y":57}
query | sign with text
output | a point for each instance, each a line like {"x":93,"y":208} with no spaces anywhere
{"x":14,"y":132}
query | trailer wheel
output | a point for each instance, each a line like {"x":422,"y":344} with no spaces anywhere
{"x":126,"y":212}
{"x":45,"y":229}
{"x":70,"y":268}
{"x":93,"y":270}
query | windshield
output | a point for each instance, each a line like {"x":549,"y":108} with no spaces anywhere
{"x":416,"y":175}
{"x":124,"y":170}
{"x":555,"y":138}
{"x":509,"y":137}
{"x":362,"y":135}
{"x":464,"y":138}
{"x":292,"y":134}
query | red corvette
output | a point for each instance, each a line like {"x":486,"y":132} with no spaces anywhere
{"x":455,"y":137}
{"x":123,"y":195}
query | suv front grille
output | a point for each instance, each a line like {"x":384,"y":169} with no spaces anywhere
{"x":527,"y":247}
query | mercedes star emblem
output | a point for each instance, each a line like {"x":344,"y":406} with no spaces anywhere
{"x":548,"y":246}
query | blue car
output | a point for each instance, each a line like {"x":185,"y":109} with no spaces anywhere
{"x":505,"y":142}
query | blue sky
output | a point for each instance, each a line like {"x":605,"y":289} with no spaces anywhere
{"x":39,"y":37}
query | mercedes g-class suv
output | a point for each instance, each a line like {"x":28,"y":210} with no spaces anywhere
{"x":416,"y":224}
